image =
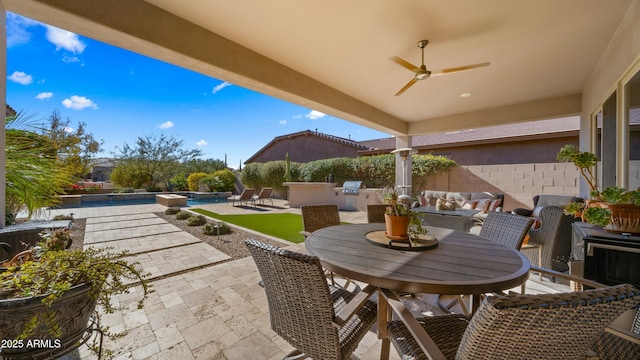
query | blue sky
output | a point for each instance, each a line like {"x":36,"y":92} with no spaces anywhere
{"x":121,"y":96}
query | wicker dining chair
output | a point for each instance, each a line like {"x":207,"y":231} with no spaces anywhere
{"x":375,"y":213}
{"x":505,"y":228}
{"x":316,"y":217}
{"x":305,"y":310}
{"x":515,"y":326}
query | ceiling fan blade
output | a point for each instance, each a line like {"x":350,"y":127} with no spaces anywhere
{"x":404,"y":63}
{"x":458,"y":68}
{"x":409,"y":84}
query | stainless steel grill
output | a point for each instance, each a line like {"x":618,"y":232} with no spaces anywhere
{"x":351,"y":187}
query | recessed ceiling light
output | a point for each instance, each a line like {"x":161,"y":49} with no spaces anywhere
{"x":465,"y":95}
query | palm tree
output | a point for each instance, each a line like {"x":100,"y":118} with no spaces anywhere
{"x":34,"y":181}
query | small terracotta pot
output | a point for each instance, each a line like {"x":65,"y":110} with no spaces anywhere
{"x":397,"y":226}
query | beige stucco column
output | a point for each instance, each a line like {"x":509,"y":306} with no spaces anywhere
{"x":3,"y":112}
{"x":403,"y":171}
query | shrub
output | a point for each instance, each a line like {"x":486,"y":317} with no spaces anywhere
{"x":153,"y":188}
{"x":211,"y":229}
{"x":183,"y":215}
{"x":196,"y":220}
{"x":179,"y":182}
{"x":194,"y":180}
{"x":172,"y":210}
{"x":123,"y":190}
{"x":226,"y":179}
{"x":212,"y":182}
{"x":250,"y":176}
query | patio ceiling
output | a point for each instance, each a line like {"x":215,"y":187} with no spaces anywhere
{"x":333,"y":55}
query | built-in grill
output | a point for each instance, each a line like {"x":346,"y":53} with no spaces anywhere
{"x":351,"y":188}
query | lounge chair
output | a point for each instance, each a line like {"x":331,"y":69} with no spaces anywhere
{"x":263,"y":196}
{"x":245,"y":197}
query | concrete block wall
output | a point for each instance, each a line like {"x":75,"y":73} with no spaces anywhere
{"x":519,"y":182}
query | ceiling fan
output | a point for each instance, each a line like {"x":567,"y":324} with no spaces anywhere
{"x":422,"y":73}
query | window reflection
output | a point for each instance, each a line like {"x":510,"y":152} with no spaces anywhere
{"x":633,"y":116}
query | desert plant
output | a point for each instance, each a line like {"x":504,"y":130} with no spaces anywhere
{"x":212,"y":182}
{"x":63,"y":217}
{"x":216,"y":228}
{"x":226,"y":178}
{"x":183,"y":215}
{"x":196,"y":220}
{"x":179,"y":182}
{"x":172,"y":210}
{"x":194,"y":181}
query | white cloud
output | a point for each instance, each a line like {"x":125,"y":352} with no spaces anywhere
{"x":69,"y":130}
{"x":220,"y":87}
{"x":201,"y":143}
{"x":70,"y":59}
{"x":44,"y":95}
{"x":20,"y":78}
{"x":76,"y":102}
{"x":17,"y":32}
{"x":166,"y":125}
{"x":283,"y":122}
{"x":297,"y":116}
{"x":315,"y":115}
{"x":64,"y":39}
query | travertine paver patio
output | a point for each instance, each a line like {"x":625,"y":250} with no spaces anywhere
{"x":203,"y":307}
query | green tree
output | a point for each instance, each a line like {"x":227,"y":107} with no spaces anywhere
{"x":204,"y":165}
{"x":34,"y":179}
{"x":153,"y":161}
{"x":75,"y":147}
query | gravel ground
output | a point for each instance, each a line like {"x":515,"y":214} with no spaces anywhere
{"x":231,"y":244}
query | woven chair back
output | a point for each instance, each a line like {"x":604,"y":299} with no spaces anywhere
{"x":549,"y":326}
{"x":300,"y":306}
{"x":506,"y":229}
{"x":375,"y":213}
{"x":315,"y":217}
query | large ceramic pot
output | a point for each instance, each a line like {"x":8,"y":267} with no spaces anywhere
{"x":625,"y":218}
{"x":397,"y":227}
{"x":72,"y":312}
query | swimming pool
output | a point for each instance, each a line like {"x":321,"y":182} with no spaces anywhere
{"x":142,"y":198}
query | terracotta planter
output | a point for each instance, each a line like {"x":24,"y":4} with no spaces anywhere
{"x":72,"y":312}
{"x":397,"y":226}
{"x":625,"y":218}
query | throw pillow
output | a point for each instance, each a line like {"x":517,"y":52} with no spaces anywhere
{"x":470,"y":204}
{"x":444,"y":204}
{"x":423,"y":200}
{"x":494,"y":205}
{"x":483,"y":205}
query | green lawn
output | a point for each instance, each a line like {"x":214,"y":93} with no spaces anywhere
{"x":285,"y":226}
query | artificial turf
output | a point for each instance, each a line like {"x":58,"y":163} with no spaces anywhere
{"x":286,"y":226}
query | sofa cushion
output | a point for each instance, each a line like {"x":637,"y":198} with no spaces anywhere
{"x":430,"y":197}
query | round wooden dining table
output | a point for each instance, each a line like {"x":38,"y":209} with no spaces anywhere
{"x":461,"y":263}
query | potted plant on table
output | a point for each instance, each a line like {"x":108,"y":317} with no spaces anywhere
{"x":400,"y":221}
{"x":50,"y":297}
